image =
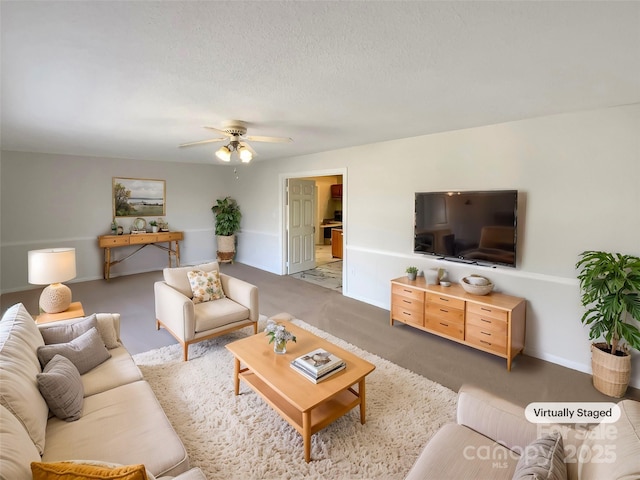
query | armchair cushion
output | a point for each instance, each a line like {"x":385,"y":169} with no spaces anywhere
{"x":216,"y":314}
{"x":178,"y":279}
{"x":205,"y":286}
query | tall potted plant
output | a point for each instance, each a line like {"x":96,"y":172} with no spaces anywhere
{"x":610,"y":286}
{"x":227,"y":214}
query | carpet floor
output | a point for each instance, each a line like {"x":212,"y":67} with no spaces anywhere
{"x":231,"y":437}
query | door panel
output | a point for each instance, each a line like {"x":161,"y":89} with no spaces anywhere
{"x":301,"y":222}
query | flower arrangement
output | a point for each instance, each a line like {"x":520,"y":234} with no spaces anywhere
{"x":279,"y":336}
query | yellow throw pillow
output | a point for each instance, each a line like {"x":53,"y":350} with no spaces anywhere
{"x":205,"y":286}
{"x":78,"y":471}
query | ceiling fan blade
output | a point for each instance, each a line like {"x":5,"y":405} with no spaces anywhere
{"x":222,"y":132}
{"x":201,"y":142}
{"x":258,"y":138}
{"x":248,"y":147}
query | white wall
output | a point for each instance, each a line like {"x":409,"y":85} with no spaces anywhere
{"x":578,"y":175}
{"x":56,"y":200}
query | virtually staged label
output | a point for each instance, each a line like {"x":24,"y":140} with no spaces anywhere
{"x":572,"y":412}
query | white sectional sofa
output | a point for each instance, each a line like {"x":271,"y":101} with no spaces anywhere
{"x":492,"y":435}
{"x":120,"y":421}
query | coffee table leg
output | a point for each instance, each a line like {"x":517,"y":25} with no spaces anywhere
{"x":306,"y":435}
{"x":236,"y":377}
{"x":363,"y":401}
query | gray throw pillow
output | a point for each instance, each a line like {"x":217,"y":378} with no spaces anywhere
{"x":61,"y":387}
{"x":68,"y":331}
{"x":85,"y":352}
{"x":542,"y":459}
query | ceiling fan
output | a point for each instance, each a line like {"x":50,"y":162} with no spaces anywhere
{"x":235,"y":132}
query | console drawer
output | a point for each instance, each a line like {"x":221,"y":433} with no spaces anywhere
{"x":485,"y":338}
{"x":445,"y":300}
{"x":487,"y":323}
{"x":142,"y":238}
{"x":407,"y":302}
{"x":451,"y":328}
{"x":487,"y":311}
{"x":408,"y":315}
{"x":408,"y":292}
{"x":443,"y":312}
{"x":113,"y":240}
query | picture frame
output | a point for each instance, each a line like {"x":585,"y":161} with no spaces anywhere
{"x":138,"y":197}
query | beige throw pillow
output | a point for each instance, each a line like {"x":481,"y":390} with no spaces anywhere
{"x":205,"y":286}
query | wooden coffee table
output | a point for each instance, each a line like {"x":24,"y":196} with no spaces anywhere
{"x":308,"y":407}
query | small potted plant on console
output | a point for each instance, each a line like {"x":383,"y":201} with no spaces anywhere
{"x":412,"y":272}
{"x":610,"y":286}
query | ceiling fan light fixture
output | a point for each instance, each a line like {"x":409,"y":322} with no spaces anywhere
{"x":245,"y":154}
{"x":224,"y":154}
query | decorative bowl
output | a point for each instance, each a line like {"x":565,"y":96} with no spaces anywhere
{"x":477,"y":280}
{"x":475,"y":289}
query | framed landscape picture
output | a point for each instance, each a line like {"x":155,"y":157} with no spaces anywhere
{"x":138,"y":197}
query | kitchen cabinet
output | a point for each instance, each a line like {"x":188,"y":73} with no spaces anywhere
{"x":336,"y":242}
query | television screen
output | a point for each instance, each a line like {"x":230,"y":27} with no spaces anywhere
{"x":474,"y":227}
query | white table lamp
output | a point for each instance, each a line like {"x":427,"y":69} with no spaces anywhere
{"x":52,"y":266}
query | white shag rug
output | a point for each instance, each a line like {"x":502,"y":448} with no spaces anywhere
{"x":241,"y":437}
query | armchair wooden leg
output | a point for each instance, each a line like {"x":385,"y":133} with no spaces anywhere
{"x":255,"y":328}
{"x":157,"y":324}
{"x":185,"y":350}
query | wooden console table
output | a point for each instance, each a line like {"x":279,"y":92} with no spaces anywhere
{"x":142,"y":239}
{"x":494,"y":323}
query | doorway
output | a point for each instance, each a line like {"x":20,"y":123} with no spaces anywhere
{"x":329,"y":228}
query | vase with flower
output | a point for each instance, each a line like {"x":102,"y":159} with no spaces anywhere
{"x":279,"y":336}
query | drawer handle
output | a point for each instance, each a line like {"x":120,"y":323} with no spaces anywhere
{"x":488,"y":343}
{"x":444,"y":299}
{"x":485,"y":333}
{"x":408,"y":291}
{"x":406,"y":301}
{"x":407,"y":313}
{"x":486,"y":309}
{"x":443,"y":310}
{"x":444,"y":324}
{"x":484,"y":320}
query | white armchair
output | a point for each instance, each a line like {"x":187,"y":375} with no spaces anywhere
{"x":191,"y":322}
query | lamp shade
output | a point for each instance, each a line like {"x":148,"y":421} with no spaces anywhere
{"x":51,"y":265}
{"x":224,"y":154}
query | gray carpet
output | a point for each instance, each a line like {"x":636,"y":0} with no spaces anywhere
{"x":361,"y":324}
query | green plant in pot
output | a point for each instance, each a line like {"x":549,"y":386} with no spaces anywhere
{"x":412,"y":272}
{"x":610,"y":286}
{"x":227,"y":214}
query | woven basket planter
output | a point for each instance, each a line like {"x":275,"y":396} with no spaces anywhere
{"x":611,"y":373}
{"x":226,"y":248}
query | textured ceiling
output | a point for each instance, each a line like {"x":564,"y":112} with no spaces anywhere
{"x":135,"y":79}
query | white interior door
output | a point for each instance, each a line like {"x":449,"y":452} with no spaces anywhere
{"x":301,"y":225}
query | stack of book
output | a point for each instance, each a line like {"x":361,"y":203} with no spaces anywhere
{"x":318,"y":365}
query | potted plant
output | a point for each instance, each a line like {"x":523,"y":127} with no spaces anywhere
{"x":227,"y":214}
{"x":154,"y":226}
{"x":412,"y":272}
{"x":610,"y":286}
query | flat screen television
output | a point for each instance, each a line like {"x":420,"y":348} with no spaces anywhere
{"x":477,"y":227}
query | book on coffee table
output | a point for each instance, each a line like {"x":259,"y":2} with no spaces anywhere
{"x":324,"y":376}
{"x":317,"y":362}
